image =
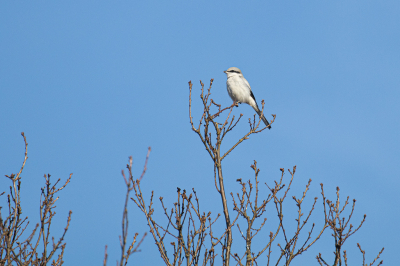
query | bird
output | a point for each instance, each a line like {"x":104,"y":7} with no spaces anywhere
{"x":240,"y":91}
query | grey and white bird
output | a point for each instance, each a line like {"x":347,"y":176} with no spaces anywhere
{"x":240,"y":91}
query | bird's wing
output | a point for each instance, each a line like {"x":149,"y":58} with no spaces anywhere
{"x":246,"y":83}
{"x":256,"y":105}
{"x":254,"y":98}
{"x":247,"y":86}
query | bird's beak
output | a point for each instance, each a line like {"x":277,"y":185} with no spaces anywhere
{"x":225,"y":71}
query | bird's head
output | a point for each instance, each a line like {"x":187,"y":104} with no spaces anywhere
{"x":232,"y":71}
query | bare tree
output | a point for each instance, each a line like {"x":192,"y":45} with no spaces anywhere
{"x":15,"y":249}
{"x":190,"y":235}
{"x":221,"y":129}
{"x":248,"y":209}
{"x":198,"y":240}
{"x":188,"y":244}
{"x":132,"y":248}
{"x":342,"y":229}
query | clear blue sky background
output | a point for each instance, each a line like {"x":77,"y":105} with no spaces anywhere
{"x":91,"y":83}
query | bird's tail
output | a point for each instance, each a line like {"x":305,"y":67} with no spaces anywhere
{"x":262,"y":117}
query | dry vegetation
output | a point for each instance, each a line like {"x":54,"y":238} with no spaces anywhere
{"x":189,"y":236}
{"x":18,"y":244}
{"x":192,"y":236}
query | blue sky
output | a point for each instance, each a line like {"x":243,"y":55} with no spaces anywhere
{"x":92,"y":83}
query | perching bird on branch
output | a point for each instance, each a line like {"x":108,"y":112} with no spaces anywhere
{"x":240,"y":91}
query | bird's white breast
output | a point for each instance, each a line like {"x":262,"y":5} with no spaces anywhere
{"x":238,"y":89}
